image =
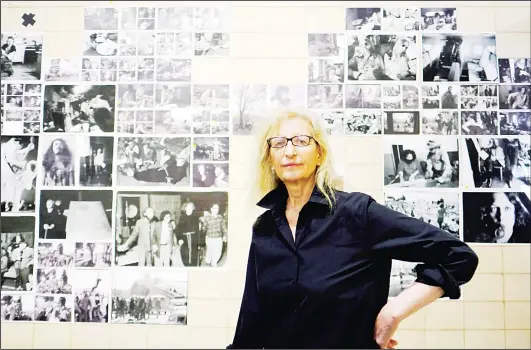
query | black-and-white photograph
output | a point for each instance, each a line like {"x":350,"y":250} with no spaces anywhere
{"x":212,"y":44}
{"x":364,"y":19}
{"x":211,"y":175}
{"x":53,"y":308}
{"x":96,"y":255}
{"x":479,"y":97}
{"x":58,"y":161}
{"x":75,"y":215}
{"x":326,"y":45}
{"x":363,"y":122}
{"x":329,"y":70}
{"x":459,"y":57}
{"x":171,"y":229}
{"x":146,"y":18}
{"x":175,"y":18}
{"x":173,"y":95}
{"x":17,"y":307}
{"x":392,"y":96}
{"x":325,"y":96}
{"x":410,"y":97}
{"x":54,"y":280}
{"x":100,"y":44}
{"x":438,"y":19}
{"x":363,"y":96}
{"x":154,"y":297}
{"x":210,"y":96}
{"x":211,"y":149}
{"x":175,"y":45}
{"x":515,"y":70}
{"x":403,"y":274}
{"x":497,"y":217}
{"x":92,"y":295}
{"x":21,"y":56}
{"x":438,"y":209}
{"x":79,"y":108}
{"x":287,"y":96}
{"x":334,"y":122}
{"x":479,"y":123}
{"x":382,"y":57}
{"x":437,"y":122}
{"x":401,"y":123}
{"x":61,"y":69}
{"x":174,"y":70}
{"x":153,"y":161}
{"x":174,"y":121}
{"x":440,"y":96}
{"x":421,"y":162}
{"x":515,"y":96}
{"x":55,"y":254}
{"x":18,"y":236}
{"x":497,"y":163}
{"x":95,"y":161}
{"x":515,"y":123}
{"x":135,"y":96}
{"x":21,"y":113}
{"x":19,"y":173}
{"x":104,"y":18}
{"x":400,"y":19}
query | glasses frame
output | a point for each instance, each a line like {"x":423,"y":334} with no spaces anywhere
{"x":290,"y":139}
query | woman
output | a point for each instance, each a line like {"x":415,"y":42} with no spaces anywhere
{"x":320,"y":259}
{"x":58,"y":165}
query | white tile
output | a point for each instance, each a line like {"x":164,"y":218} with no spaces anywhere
{"x":16,"y":335}
{"x":513,"y":44}
{"x":207,"y":312}
{"x":512,"y":19}
{"x":475,"y":19}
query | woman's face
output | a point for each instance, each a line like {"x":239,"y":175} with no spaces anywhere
{"x":57,"y":146}
{"x":506,"y":218}
{"x":295,"y":164}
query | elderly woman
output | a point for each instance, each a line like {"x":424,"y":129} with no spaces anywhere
{"x":320,"y":259}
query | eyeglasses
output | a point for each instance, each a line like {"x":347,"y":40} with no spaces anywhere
{"x":298,"y":141}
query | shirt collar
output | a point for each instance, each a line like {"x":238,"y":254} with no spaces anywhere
{"x":278,"y":196}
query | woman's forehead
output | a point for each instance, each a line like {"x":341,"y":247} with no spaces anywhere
{"x":294,"y":126}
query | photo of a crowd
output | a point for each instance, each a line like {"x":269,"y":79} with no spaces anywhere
{"x":56,"y":308}
{"x":92,"y":295}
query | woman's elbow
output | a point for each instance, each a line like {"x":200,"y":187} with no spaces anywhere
{"x":470,"y":261}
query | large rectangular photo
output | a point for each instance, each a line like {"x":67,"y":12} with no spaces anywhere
{"x":421,"y":162}
{"x":177,"y":229}
{"x":150,"y":297}
{"x":18,"y":252}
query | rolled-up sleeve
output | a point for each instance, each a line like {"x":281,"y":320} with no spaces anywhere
{"x":247,"y":335}
{"x":446,"y":261}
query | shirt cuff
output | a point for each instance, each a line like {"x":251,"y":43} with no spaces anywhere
{"x":438,"y":276}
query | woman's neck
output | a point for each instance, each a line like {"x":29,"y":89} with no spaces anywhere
{"x":299,"y":194}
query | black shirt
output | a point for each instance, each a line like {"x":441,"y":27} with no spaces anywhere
{"x":326,"y":288}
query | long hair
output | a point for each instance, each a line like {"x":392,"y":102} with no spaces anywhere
{"x":267,"y":180}
{"x":49,"y":157}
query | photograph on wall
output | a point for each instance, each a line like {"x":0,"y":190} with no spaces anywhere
{"x":177,"y":229}
{"x":173,"y":70}
{"x":401,"y":123}
{"x":497,"y":217}
{"x":382,"y":57}
{"x":61,"y":69}
{"x":210,"y":149}
{"x":95,"y":161}
{"x":76,"y":215}
{"x":459,"y":57}
{"x":497,"y":163}
{"x":153,"y":161}
{"x":287,"y":96}
{"x":79,"y":108}
{"x":515,"y":70}
{"x":212,"y":44}
{"x":392,"y":96}
{"x":169,"y":95}
{"x":210,"y":18}
{"x":149,"y":297}
{"x":140,"y":96}
{"x":442,"y":96}
{"x":363,"y":96}
{"x":334,"y":121}
{"x":93,"y":255}
{"x":211,"y":175}
{"x":363,"y":122}
{"x":59,"y":159}
{"x":54,"y":280}
{"x":515,"y":123}
{"x":104,"y":18}
{"x":400,"y":19}
{"x":18,"y":252}
{"x":325,"y":96}
{"x":326,"y":45}
{"x":21,"y":112}
{"x":177,"y":18}
{"x":327,"y":70}
{"x":18,"y":173}
{"x":479,"y":123}
{"x":17,"y":307}
{"x":363,"y":19}
{"x":438,"y":19}
{"x":92,"y":296}
{"x":57,"y":253}
{"x":21,"y":56}
{"x":176,"y":121}
{"x":175,"y":45}
{"x":438,"y":122}
{"x":247,"y":105}
{"x":53,"y":308}
{"x":403,"y":274}
{"x":101,"y":43}
{"x":421,"y":162}
{"x":210,"y":96}
{"x":479,"y":97}
{"x":440,"y":209}
{"x":515,"y":96}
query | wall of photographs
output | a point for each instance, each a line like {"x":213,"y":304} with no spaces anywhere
{"x":115,"y":165}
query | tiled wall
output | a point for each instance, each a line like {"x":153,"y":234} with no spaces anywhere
{"x":268,"y":45}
